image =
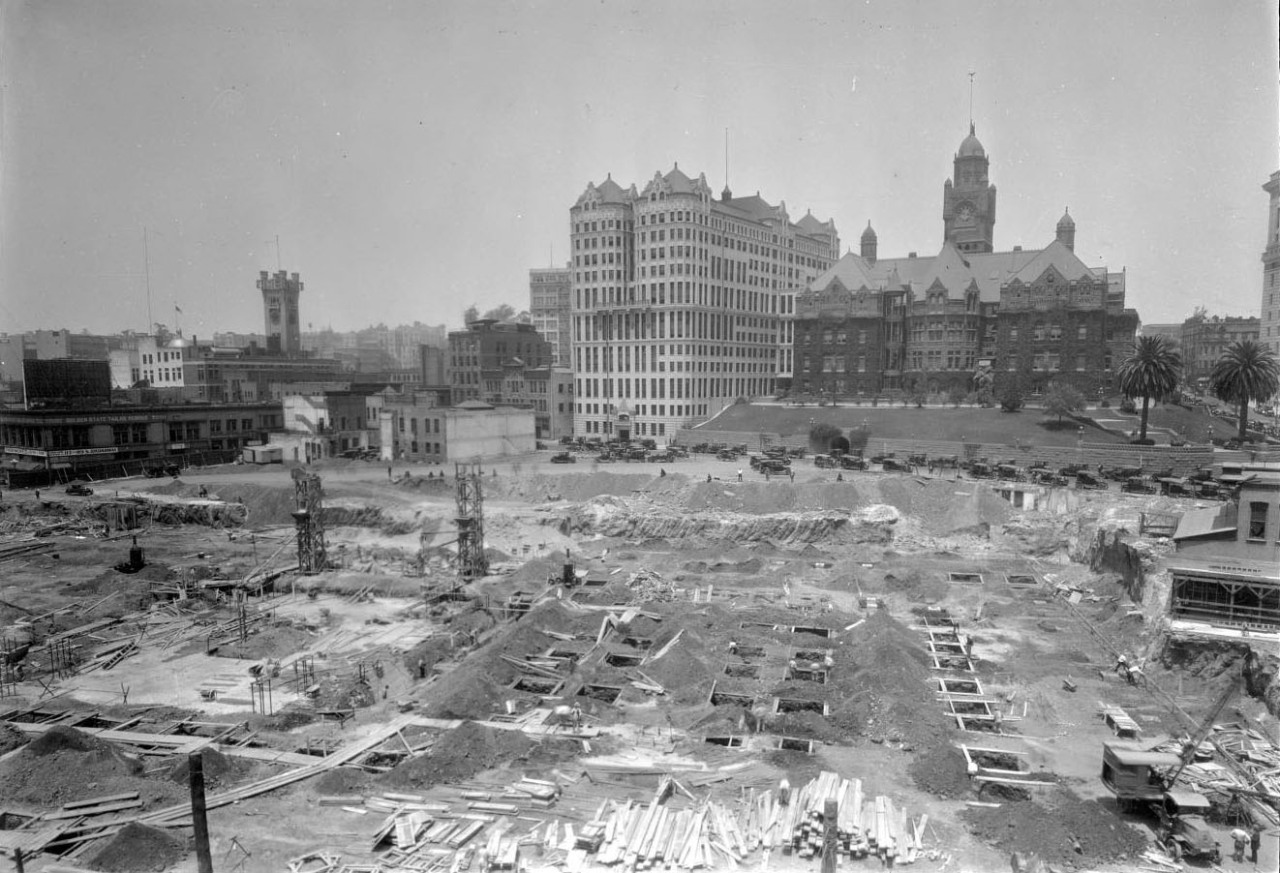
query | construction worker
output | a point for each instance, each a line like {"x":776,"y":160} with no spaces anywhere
{"x":839,"y":477}
{"x":1122,"y":664}
{"x":1255,"y":842}
{"x":577,"y":717}
{"x":1240,"y":838}
{"x":739,"y":474}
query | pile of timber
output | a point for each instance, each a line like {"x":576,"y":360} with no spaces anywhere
{"x":865,"y":826}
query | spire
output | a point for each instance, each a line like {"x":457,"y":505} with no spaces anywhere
{"x":1067,"y":230}
{"x":869,"y":244}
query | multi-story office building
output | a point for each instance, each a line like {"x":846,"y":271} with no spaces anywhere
{"x":1269,"y":327}
{"x":682,"y":302}
{"x":969,"y":317}
{"x":1205,"y":339}
{"x":481,"y":356}
{"x":550,"y":311}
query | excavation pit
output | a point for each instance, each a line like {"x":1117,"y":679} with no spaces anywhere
{"x":795,"y":744}
{"x":748,"y":651}
{"x":965,"y":578}
{"x":802,"y":675}
{"x":730,"y":742}
{"x":961,"y":686}
{"x":641,"y":643}
{"x":783,"y":705}
{"x":563,"y":655}
{"x":742,"y":671}
{"x":602,"y":693}
{"x":536,"y":685}
{"x":720,"y":698}
{"x":614,"y":659}
{"x":1017,"y":581}
{"x":815,"y":631}
{"x":813,"y":655}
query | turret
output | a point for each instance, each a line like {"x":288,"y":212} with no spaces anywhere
{"x":1067,"y":230}
{"x":869,"y":243}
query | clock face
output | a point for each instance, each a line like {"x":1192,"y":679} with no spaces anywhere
{"x":965,"y":212}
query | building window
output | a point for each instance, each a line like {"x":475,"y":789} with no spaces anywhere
{"x":1257,"y":521}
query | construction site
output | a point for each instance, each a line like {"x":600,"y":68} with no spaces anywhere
{"x":570,"y":667}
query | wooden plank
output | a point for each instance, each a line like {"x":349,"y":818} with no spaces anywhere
{"x":95,"y":801}
{"x":93,"y":810}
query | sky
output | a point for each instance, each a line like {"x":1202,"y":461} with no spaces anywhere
{"x":412,"y":158}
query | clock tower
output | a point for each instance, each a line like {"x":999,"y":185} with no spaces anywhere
{"x":969,"y":200}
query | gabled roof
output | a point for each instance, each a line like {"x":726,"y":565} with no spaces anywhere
{"x":1059,"y":257}
{"x":679,"y":182}
{"x":954,"y":270}
{"x":809,"y":224}
{"x":852,"y":271}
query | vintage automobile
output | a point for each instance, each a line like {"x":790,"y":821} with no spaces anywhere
{"x":80,"y":489}
{"x":1183,"y":832}
{"x":563,"y":458}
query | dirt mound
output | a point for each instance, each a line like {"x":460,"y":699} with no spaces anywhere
{"x":64,"y":765}
{"x":219,"y":769}
{"x":460,"y":754}
{"x":11,"y":738}
{"x":138,"y":847}
{"x":342,"y":780}
{"x":1053,"y":826}
{"x":571,"y":486}
{"x":60,"y":739}
{"x":941,"y":770}
{"x":889,"y":696}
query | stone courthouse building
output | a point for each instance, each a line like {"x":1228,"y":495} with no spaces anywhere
{"x":969,"y":316}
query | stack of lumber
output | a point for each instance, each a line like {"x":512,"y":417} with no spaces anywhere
{"x":865,"y":825}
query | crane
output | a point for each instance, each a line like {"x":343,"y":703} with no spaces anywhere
{"x":1188,"y":753}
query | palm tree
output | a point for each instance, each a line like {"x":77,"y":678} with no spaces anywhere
{"x":1151,"y":372}
{"x":1245,"y":373}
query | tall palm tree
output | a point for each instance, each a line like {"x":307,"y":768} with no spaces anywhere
{"x":1151,"y":372}
{"x":1246,"y":372}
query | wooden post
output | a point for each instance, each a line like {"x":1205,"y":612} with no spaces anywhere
{"x":830,"y":814}
{"x":17,"y":860}
{"x":199,"y":821}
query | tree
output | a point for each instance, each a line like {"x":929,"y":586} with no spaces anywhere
{"x":859,"y":437}
{"x":470,"y":314}
{"x":822,"y":434}
{"x":1013,"y":393}
{"x":1062,"y":398}
{"x":1246,"y":372}
{"x":1152,"y":371}
{"x":505,"y":312}
{"x":957,"y":396}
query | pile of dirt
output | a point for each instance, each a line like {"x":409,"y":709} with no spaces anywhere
{"x":944,"y":507}
{"x":342,"y":780}
{"x":65,"y":764}
{"x":942,"y":771}
{"x":10,"y":738}
{"x":137,"y":848}
{"x":889,"y":697}
{"x":1060,"y":827}
{"x":219,"y":769}
{"x":460,"y":754}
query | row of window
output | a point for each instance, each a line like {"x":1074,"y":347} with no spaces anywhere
{"x":680,"y":388}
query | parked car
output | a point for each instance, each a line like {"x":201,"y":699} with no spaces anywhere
{"x":80,"y":489}
{"x":563,"y":458}
{"x":1183,"y":832}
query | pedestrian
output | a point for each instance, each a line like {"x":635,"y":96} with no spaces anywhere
{"x":839,"y":477}
{"x":388,"y":472}
{"x":1255,"y":842}
{"x":422,"y":668}
{"x":1240,"y":839}
{"x":708,"y":477}
{"x":1122,"y":664}
{"x":739,"y":474}
{"x":661,"y":473}
{"x":37,"y":494}
{"x":792,"y":474}
{"x":386,"y":689}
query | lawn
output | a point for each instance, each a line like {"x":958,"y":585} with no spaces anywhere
{"x":965,"y":424}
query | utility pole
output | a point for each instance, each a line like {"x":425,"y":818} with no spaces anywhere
{"x":199,"y":819}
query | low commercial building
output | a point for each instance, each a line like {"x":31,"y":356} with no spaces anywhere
{"x":334,"y":422}
{"x":1226,"y":572}
{"x":119,"y":439}
{"x":415,"y":428}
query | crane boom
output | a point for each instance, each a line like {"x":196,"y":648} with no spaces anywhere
{"x":1188,"y":753}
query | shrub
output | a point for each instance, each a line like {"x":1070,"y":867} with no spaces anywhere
{"x":858,"y":438}
{"x":821,"y":435}
{"x":1128,"y":406}
{"x":1105,"y":404}
{"x":957,"y":396}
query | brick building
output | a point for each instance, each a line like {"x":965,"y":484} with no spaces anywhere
{"x":966,"y":318}
{"x":550,"y":311}
{"x":1205,"y":339}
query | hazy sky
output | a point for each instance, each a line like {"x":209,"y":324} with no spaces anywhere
{"x":415,"y":157}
